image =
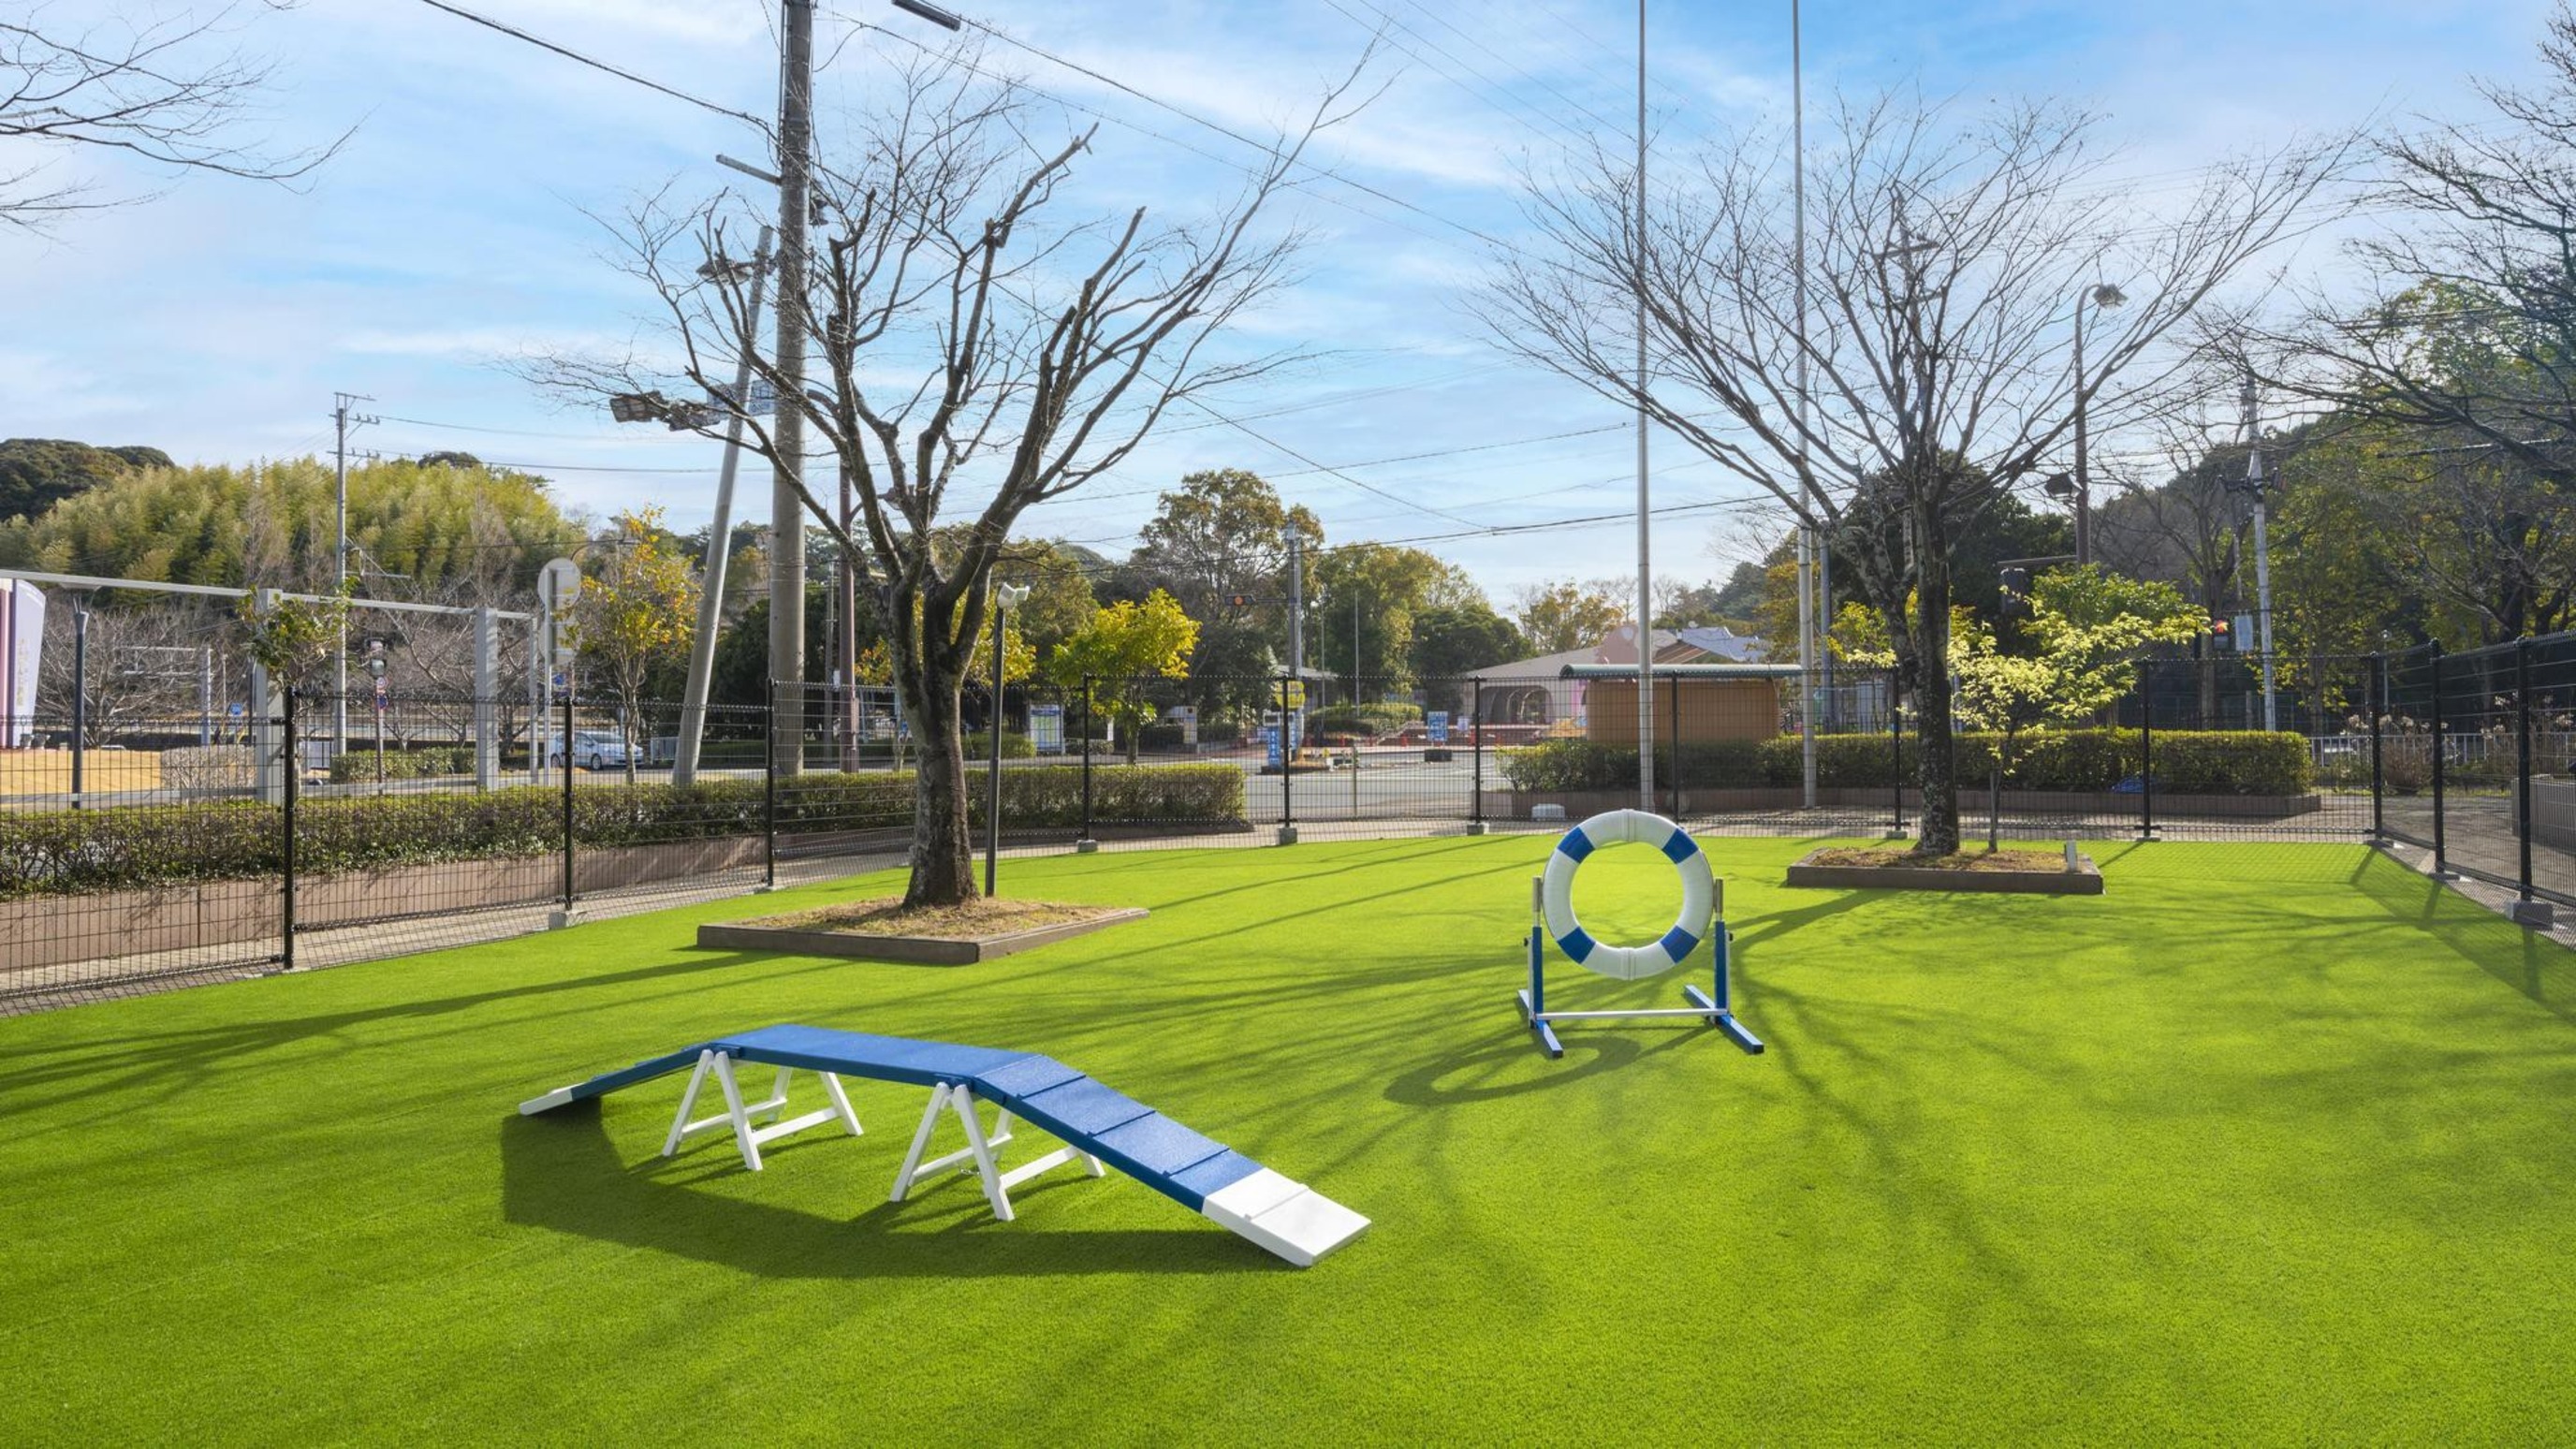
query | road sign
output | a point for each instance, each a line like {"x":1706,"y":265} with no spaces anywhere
{"x":1438,"y":719}
{"x":558,"y":584}
{"x":1270,"y":744}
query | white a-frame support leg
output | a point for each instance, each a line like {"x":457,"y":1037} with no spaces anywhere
{"x":979,"y":1150}
{"x":737,"y":1114}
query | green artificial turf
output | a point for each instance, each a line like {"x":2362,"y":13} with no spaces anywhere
{"x":2270,"y":1143}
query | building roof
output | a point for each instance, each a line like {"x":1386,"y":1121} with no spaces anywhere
{"x":1716,"y":644}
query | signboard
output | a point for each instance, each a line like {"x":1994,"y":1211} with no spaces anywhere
{"x":1295,"y":690}
{"x":1270,"y":745}
{"x":764,"y":398}
{"x":1046,"y":728}
{"x":1438,"y":720}
{"x":558,"y":584}
{"x":22,"y":638}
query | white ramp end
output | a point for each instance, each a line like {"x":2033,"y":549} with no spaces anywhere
{"x":559,"y":1097}
{"x":1284,"y":1216}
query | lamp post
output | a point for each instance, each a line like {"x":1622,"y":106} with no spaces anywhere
{"x":1006,"y":597}
{"x":2101,"y":295}
{"x":2258,"y":484}
{"x":1645,"y":569}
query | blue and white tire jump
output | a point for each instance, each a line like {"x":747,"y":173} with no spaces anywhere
{"x":1702,"y":921}
{"x":1623,"y":827}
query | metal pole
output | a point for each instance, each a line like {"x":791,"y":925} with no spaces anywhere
{"x":993,"y":786}
{"x":845,"y":660}
{"x":2522,"y":755}
{"x":286,"y":902}
{"x":2083,"y":479}
{"x":2441,"y":853}
{"x":1806,"y":674}
{"x":1476,"y":748}
{"x":205,"y":695}
{"x":2378,"y":712}
{"x":769,"y":791}
{"x":1896,"y":747}
{"x":702,"y":645}
{"x":340,"y":574}
{"x":2146,"y":751}
{"x":1673,"y":711}
{"x":1086,"y":757}
{"x":80,"y":695}
{"x":786,"y":495}
{"x":1287,"y":764}
{"x":567,"y":802}
{"x":2263,"y":603}
{"x":1645,"y":569}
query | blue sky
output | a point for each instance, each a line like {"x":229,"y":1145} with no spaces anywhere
{"x":453,"y":232}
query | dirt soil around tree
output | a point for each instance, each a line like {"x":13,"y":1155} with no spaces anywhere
{"x":976,"y":920}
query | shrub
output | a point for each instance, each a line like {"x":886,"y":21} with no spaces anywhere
{"x":209,"y":767}
{"x":1015,"y":746}
{"x":2186,"y":762}
{"x":1362,"y":719}
{"x":66,"y":852}
{"x":358,"y":763}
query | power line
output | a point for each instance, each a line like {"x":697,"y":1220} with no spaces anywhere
{"x":569,"y":53}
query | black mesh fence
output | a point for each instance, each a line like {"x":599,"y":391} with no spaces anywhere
{"x":141,"y":851}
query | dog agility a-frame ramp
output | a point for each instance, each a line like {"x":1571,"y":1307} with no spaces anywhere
{"x":1099,"y":1127}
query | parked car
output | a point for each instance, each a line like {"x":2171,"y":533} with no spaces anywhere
{"x":591,"y":750}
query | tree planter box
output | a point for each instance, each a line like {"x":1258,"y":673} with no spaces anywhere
{"x":911,"y":950}
{"x":2085,"y":880}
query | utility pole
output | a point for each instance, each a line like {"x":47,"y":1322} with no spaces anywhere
{"x":786,"y":500}
{"x":341,"y":421}
{"x":1808,"y":543}
{"x":2259,"y":485}
{"x":1645,"y":569}
{"x":702,"y":649}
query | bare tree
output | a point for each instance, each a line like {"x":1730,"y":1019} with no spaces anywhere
{"x":163,"y":90}
{"x":1930,"y":369}
{"x":980,"y":356}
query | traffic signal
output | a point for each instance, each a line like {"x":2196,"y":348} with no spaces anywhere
{"x":2220,"y":635}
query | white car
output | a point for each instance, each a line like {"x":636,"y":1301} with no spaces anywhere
{"x":591,"y":750}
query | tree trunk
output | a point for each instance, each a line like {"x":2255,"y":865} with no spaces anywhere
{"x":1937,"y":770}
{"x":943,"y":848}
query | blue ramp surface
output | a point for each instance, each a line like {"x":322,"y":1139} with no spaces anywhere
{"x":1198,"y":1172}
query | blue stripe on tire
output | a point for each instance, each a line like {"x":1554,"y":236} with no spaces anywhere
{"x":1680,"y":847}
{"x":1575,"y":845}
{"x":1575,"y":945}
{"x":1678,"y":944}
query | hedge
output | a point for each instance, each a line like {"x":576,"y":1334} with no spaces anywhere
{"x":1015,"y":746}
{"x":67,"y":852}
{"x":1362,"y":719}
{"x":2187,"y":762}
{"x":358,"y":763}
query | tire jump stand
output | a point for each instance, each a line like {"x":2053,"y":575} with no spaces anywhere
{"x":1702,"y":918}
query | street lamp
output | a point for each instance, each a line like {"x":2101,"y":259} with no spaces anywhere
{"x":1006,"y":597}
{"x":2101,"y":295}
{"x":2258,"y":485}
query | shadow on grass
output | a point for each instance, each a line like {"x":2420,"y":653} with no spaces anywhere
{"x":560,"y":1172}
{"x":2532,"y":964}
{"x":175,"y":1059}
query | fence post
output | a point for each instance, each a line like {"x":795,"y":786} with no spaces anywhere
{"x":2378,"y":712}
{"x":564,"y":916}
{"x":1476,"y":748}
{"x":1086,"y":844}
{"x":286,"y":940}
{"x":2146,"y":750}
{"x":769,"y":791}
{"x":2441,"y":847}
{"x":1896,"y":750}
{"x":1288,"y":743}
{"x":2522,"y":758}
{"x":1673,"y":738}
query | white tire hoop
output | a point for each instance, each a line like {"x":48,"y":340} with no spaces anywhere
{"x":1618,"y":827}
